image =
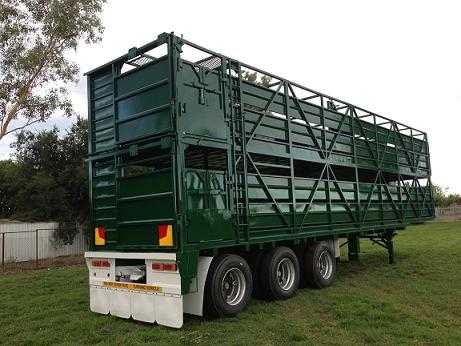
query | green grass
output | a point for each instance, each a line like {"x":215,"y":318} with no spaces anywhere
{"x":415,"y":301}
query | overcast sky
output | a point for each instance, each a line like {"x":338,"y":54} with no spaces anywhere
{"x":400,"y":59}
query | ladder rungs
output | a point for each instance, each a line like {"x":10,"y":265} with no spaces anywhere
{"x":272,"y":165}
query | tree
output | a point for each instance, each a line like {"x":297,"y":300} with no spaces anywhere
{"x":253,"y":78}
{"x":48,"y":179}
{"x":442,"y":198}
{"x":10,"y":181}
{"x":35,"y":36}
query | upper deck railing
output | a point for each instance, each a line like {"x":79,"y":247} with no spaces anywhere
{"x":378,"y":134}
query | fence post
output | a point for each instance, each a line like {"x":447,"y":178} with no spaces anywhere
{"x":3,"y":250}
{"x":36,"y":248}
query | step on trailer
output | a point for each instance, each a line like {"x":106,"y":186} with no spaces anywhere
{"x":211,"y":180}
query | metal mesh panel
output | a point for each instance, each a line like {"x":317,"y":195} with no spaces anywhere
{"x":141,"y":60}
{"x":211,"y":63}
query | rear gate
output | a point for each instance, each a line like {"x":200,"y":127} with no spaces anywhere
{"x":144,"y":183}
{"x":144,"y":201}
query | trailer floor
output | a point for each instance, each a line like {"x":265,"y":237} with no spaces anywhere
{"x":417,"y":300}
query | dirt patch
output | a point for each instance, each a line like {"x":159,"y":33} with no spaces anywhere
{"x":56,"y":262}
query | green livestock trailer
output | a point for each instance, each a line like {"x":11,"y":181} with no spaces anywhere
{"x":211,"y":180}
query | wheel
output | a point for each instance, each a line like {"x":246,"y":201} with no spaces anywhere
{"x":279,"y":273}
{"x":228,"y":286}
{"x":320,"y":265}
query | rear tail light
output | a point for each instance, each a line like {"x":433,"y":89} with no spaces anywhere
{"x":100,"y":235}
{"x":157,"y":266}
{"x":165,"y":235}
{"x":171,"y":267}
{"x":100,"y":263}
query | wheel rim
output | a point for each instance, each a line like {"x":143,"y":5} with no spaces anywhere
{"x":233,"y":286}
{"x":286,"y":274}
{"x":325,"y":265}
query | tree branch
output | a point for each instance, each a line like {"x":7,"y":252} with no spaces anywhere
{"x":23,"y":126}
{"x":26,"y":90}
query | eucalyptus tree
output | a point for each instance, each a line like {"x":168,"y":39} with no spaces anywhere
{"x":35,"y":70}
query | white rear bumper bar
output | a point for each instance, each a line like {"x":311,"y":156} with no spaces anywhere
{"x":159,"y":300}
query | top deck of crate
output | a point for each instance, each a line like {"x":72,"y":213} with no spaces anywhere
{"x":126,"y":107}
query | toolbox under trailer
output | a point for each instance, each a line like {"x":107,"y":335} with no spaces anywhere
{"x":211,"y":180}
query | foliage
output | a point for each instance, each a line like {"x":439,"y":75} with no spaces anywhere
{"x":35,"y":37}
{"x":444,"y":199}
{"x":9,"y":182}
{"x":253,"y":78}
{"x":48,"y":179}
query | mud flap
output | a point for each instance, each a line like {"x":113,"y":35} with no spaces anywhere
{"x":99,"y":300}
{"x":193,"y":301}
{"x":159,"y":300}
{"x":164,"y":309}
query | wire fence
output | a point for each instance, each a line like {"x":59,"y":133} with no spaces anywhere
{"x":36,"y":247}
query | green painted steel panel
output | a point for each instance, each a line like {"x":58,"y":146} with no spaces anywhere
{"x":208,"y":215}
{"x":200,"y":96}
{"x":143,"y":102}
{"x":101,"y":111}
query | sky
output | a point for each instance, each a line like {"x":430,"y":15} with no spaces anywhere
{"x":400,"y":59}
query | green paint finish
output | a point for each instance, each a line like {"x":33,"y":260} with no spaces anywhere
{"x":143,"y":102}
{"x":208,"y":214}
{"x":232,"y":163}
{"x":200,"y":95}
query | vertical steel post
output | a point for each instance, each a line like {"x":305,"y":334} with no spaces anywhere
{"x":3,"y":250}
{"x":291,"y":187}
{"x":390,"y":246}
{"x":390,"y":249}
{"x":36,"y":247}
{"x":353,"y":247}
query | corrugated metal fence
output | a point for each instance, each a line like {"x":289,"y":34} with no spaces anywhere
{"x":452,"y":212}
{"x":21,"y":242}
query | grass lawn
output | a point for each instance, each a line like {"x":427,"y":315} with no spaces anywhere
{"x":415,"y":301}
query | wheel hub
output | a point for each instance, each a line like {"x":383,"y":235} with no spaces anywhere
{"x":325,"y":265}
{"x":286,"y":274}
{"x":233,"y":286}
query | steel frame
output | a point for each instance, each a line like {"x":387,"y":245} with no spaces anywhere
{"x":242,"y":163}
{"x":242,"y":137}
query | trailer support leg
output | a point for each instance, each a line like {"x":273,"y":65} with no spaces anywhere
{"x":353,"y":247}
{"x":388,"y":240}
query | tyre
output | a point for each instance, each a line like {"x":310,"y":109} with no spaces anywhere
{"x":228,"y":286}
{"x":279,"y":273}
{"x":319,"y":265}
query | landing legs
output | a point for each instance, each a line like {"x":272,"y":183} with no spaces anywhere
{"x":388,"y":240}
{"x":384,"y":240}
{"x":353,"y":247}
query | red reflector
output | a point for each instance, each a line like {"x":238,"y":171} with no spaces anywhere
{"x":100,"y":263}
{"x":100,"y":235}
{"x":102,"y":232}
{"x":162,"y":231}
{"x":172,"y":267}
